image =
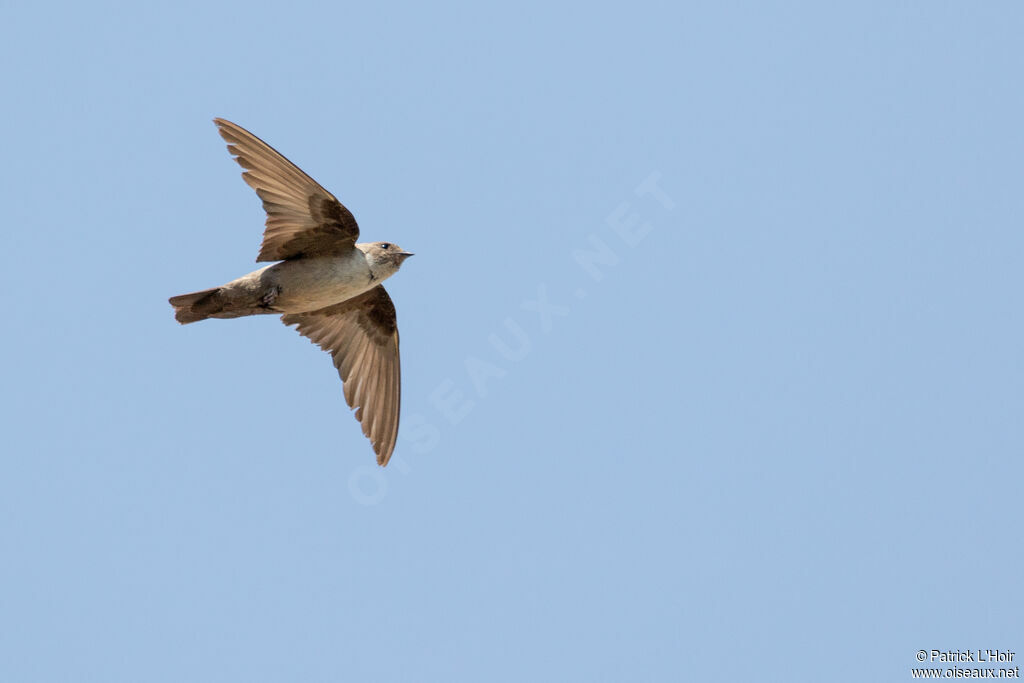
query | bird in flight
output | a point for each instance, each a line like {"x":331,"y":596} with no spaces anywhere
{"x":324,"y":283}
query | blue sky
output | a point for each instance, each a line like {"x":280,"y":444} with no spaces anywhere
{"x":772,"y":433}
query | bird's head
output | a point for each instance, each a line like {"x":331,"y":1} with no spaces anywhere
{"x":384,"y":258}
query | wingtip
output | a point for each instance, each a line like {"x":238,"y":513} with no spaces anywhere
{"x":228,"y":131}
{"x":223,"y":125}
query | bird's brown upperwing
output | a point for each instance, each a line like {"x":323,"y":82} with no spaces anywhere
{"x":303,"y":219}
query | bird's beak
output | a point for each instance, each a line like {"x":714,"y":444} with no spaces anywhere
{"x":406,"y":254}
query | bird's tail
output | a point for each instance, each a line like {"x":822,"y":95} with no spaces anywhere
{"x":190,"y":308}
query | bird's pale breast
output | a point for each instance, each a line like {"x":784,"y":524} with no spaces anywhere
{"x":309,"y":284}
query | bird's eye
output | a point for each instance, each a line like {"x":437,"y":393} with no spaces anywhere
{"x":385,"y":245}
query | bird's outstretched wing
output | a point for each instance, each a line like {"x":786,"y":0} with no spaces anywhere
{"x":303,"y":219}
{"x":361,"y":334}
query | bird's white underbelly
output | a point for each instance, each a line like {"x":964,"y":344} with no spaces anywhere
{"x":309,"y":284}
